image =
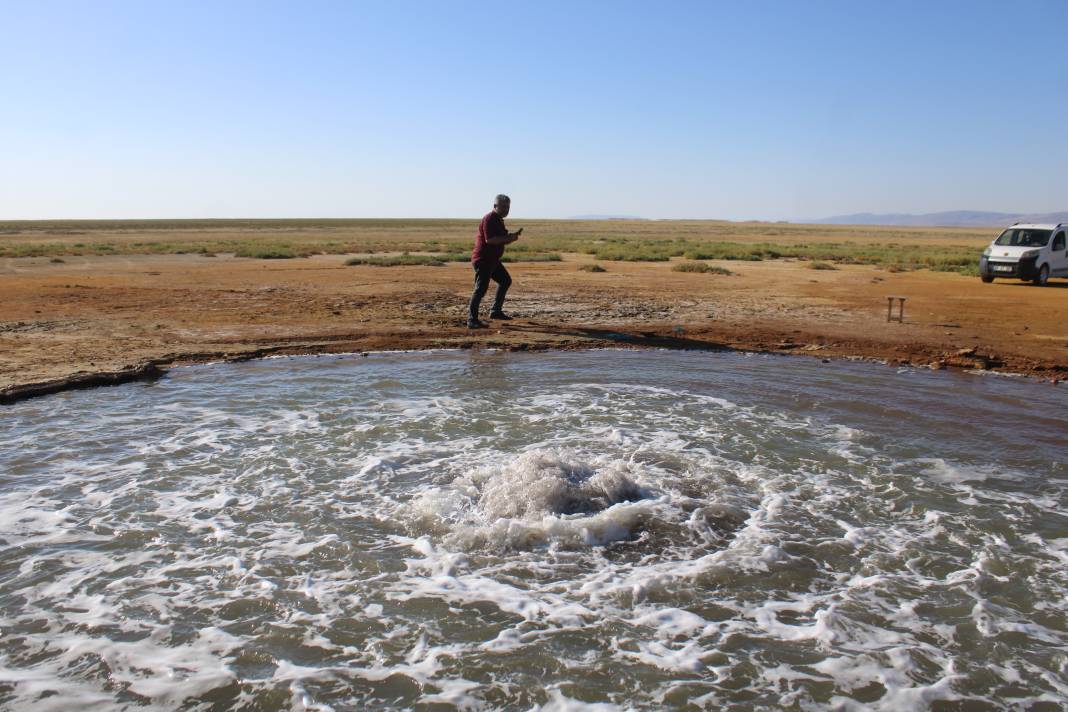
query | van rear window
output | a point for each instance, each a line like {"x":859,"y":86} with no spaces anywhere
{"x":1017,"y":237}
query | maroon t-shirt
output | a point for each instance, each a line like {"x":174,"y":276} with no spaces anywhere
{"x":492,"y":225}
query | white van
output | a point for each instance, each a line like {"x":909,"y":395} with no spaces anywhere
{"x":1028,"y":252}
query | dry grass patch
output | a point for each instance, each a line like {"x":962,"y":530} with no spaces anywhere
{"x":398,"y":261}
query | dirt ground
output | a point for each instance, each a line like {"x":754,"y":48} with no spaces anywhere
{"x":64,"y":324}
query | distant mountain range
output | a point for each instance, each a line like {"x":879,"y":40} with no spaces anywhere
{"x":605,"y":217}
{"x":954,"y":218}
{"x":951,"y":218}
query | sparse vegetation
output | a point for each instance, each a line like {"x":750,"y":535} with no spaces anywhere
{"x":398,"y":261}
{"x":941,"y":249}
{"x":437,"y":260}
{"x":821,"y":265}
{"x":592,"y":268}
{"x":700,"y":267}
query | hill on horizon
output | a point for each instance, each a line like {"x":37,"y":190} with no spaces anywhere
{"x":952,"y":218}
{"x":606,"y":217}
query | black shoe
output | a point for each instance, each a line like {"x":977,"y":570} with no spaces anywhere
{"x":501,"y":316}
{"x":476,"y":324}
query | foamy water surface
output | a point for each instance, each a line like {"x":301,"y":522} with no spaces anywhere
{"x":567,"y":531}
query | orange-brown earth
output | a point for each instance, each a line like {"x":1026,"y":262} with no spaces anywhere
{"x":61,"y":322}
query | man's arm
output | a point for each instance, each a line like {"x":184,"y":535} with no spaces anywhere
{"x":505,"y":239}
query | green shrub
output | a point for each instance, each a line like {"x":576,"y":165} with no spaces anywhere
{"x":619,"y":253}
{"x":263,"y":253}
{"x":699,"y":267}
{"x":532,"y":257}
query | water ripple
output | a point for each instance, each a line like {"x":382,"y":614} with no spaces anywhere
{"x":634,"y":530}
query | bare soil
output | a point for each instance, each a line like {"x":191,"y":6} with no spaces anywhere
{"x":61,"y":323}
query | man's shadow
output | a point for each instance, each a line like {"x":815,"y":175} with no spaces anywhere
{"x":640,"y":338}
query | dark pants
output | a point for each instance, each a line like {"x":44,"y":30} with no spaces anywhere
{"x":483,"y":274}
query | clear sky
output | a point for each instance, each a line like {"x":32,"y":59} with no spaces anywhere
{"x":737,"y":110}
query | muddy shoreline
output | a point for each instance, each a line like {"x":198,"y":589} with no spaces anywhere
{"x":102,"y":320}
{"x":964,"y":360}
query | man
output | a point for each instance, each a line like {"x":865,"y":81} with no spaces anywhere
{"x":490,"y":240}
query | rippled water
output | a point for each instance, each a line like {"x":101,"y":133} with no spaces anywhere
{"x":591,"y":530}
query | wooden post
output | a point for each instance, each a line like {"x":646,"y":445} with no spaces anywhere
{"x":890,"y":309}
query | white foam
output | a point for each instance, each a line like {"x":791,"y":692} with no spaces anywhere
{"x":535,"y":498}
{"x":559,"y":702}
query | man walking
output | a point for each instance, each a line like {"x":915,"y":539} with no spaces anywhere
{"x":490,"y":240}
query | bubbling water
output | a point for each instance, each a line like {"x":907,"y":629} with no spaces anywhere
{"x":604,"y":530}
{"x":537,"y":498}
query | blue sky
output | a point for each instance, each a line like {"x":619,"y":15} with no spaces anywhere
{"x":739,"y":110}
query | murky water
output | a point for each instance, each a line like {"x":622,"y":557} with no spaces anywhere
{"x":594,"y":530}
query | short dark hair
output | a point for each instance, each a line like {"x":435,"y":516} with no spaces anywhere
{"x":501,"y":198}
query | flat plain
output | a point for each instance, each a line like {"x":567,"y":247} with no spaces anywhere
{"x":85,"y":297}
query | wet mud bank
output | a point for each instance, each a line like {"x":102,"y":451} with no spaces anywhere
{"x":149,"y":371}
{"x":528,"y":337}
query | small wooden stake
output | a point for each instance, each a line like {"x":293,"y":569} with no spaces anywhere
{"x":890,"y":309}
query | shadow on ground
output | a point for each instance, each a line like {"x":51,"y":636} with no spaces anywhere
{"x":641,"y":338}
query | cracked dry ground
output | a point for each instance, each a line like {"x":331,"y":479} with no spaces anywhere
{"x":94,"y":314}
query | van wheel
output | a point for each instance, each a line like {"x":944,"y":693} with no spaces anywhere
{"x":1043,"y":276}
{"x":986,"y":279}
